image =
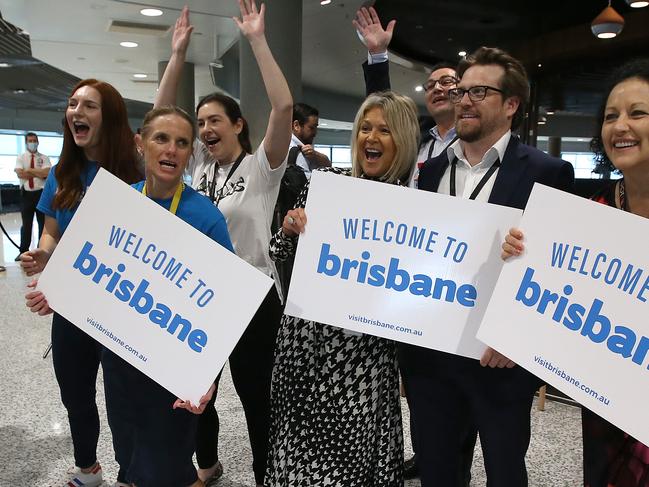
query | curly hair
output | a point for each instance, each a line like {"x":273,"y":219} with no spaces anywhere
{"x":636,"y":68}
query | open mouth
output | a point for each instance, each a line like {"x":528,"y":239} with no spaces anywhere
{"x":439,"y":99}
{"x":625,"y":144}
{"x":166,"y":163}
{"x":81,"y":128}
{"x":373,"y":154}
{"x":211,"y":142}
{"x":468,"y":116}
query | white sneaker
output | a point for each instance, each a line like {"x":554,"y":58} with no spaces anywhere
{"x":76,"y":478}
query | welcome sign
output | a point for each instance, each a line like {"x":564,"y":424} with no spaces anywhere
{"x":412,"y":266}
{"x":573,"y":308}
{"x":150,"y":287}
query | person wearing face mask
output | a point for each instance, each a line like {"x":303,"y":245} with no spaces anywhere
{"x":244,"y":185}
{"x":32,"y":168}
{"x":336,"y":417}
{"x":442,"y":78}
{"x":612,"y":458}
{"x":96,"y":134}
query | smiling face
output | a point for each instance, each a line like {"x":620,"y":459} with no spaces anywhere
{"x":625,"y":131}
{"x":218,"y":133}
{"x":437,"y":101}
{"x":375,"y":145}
{"x":167,"y":145}
{"x":84,"y":118}
{"x":487,"y":119}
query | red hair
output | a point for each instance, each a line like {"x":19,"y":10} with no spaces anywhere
{"x":117,"y":152}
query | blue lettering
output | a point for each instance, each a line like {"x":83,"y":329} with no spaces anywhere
{"x":349,"y":227}
{"x":559,"y":253}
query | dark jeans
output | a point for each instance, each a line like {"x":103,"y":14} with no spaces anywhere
{"x":76,"y":357}
{"x":153,"y":442}
{"x":28,"y":202}
{"x":251,"y":366}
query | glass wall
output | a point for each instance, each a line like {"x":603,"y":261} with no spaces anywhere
{"x":12,"y":144}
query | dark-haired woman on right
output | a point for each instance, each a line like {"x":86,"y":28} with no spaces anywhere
{"x":612,"y":458}
{"x":244,"y":184}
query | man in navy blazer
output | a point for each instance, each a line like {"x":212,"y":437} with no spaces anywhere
{"x":494,"y":395}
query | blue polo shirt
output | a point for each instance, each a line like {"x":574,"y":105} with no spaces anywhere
{"x":63,"y":216}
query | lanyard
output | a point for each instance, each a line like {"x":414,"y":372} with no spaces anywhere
{"x":176,"y":199}
{"x":432,"y":146}
{"x":482,"y":182}
{"x":212,"y":189}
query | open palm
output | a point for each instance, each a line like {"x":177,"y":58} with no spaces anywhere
{"x":251,"y":23}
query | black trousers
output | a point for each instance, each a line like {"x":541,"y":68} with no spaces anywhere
{"x":28,"y":202}
{"x":76,"y":357}
{"x":251,"y":366}
{"x":154,"y":444}
{"x":452,"y":397}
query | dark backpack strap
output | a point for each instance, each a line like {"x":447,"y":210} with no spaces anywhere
{"x":293,"y":152}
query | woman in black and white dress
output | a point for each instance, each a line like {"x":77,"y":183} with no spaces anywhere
{"x":335,"y":410}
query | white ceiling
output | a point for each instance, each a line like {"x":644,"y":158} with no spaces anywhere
{"x":73,"y":35}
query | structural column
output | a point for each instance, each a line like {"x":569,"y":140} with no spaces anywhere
{"x":554,"y":146}
{"x":284,"y":35}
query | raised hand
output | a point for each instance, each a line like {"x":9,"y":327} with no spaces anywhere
{"x":251,"y":23}
{"x":182,"y":33}
{"x":377,"y":39}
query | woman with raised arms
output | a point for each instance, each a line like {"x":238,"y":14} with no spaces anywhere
{"x":336,"y":417}
{"x":612,"y":458}
{"x":244,"y":185}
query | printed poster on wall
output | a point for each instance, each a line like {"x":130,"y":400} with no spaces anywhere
{"x":573,"y":308}
{"x":166,"y":298}
{"x":412,"y":266}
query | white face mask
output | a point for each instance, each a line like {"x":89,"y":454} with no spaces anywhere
{"x":32,"y":146}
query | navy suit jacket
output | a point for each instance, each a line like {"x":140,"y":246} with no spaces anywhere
{"x":521,"y":167}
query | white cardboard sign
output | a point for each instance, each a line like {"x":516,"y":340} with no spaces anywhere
{"x":412,"y":266}
{"x":174,"y":303}
{"x":573,"y":308}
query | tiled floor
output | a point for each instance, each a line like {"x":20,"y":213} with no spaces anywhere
{"x":35,"y":446}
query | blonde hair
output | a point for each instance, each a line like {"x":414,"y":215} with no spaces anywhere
{"x":400,"y":114}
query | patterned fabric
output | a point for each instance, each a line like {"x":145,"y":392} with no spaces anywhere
{"x":335,"y":407}
{"x":611,"y":457}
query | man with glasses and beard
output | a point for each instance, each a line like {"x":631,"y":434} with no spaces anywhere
{"x":487,"y":163}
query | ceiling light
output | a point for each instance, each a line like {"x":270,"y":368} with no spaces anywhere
{"x":151,"y":12}
{"x":637,"y":3}
{"x":139,"y":75}
{"x":325,"y":2}
{"x":461,"y":53}
{"x":549,"y":112}
{"x":608,"y":23}
{"x":419,"y":88}
{"x":541,"y":121}
{"x":5,"y":65}
{"x":128,"y":44}
{"x":539,"y":65}
{"x":20,"y":91}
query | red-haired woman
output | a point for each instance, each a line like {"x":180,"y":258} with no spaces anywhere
{"x":96,"y":134}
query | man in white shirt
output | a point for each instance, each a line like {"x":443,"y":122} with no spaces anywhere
{"x":488,"y":163}
{"x":32,"y":169}
{"x":305,"y":128}
{"x":442,"y":78}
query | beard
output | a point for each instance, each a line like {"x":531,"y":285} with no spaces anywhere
{"x":468,"y":134}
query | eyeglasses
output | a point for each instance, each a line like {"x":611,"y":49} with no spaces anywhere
{"x":444,"y":81}
{"x":476,"y":93}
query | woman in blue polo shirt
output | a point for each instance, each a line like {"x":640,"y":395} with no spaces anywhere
{"x":95,"y":134}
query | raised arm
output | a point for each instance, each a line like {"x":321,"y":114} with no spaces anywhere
{"x":278,"y":133}
{"x":180,"y":38}
{"x":377,"y":39}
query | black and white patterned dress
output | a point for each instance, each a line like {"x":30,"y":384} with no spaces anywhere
{"x":335,"y":407}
